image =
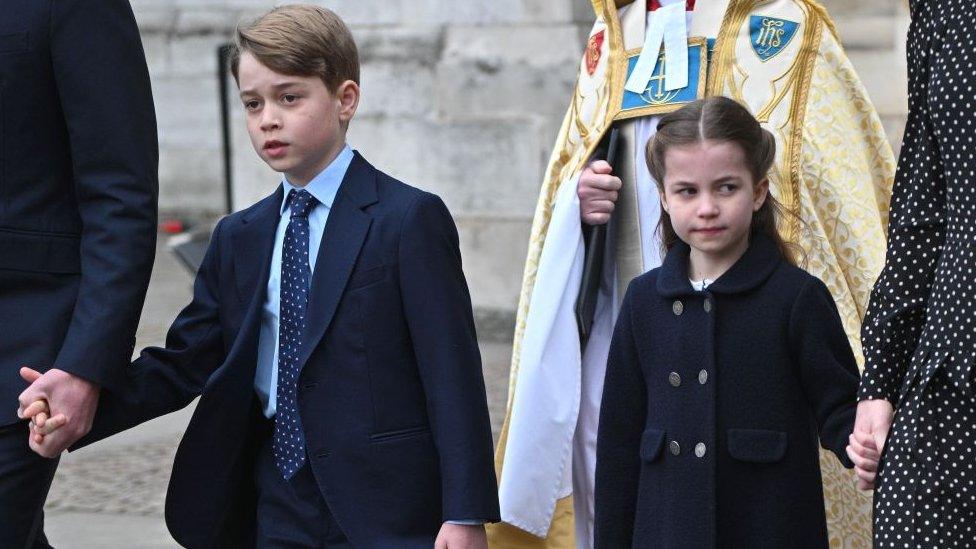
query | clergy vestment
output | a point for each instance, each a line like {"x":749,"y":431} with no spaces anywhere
{"x":833,"y":171}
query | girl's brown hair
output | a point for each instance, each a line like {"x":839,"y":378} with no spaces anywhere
{"x":720,"y":119}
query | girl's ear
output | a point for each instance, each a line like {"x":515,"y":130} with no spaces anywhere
{"x":760,"y":191}
{"x":664,"y":202}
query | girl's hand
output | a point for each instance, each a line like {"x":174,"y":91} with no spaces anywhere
{"x":864,"y":452}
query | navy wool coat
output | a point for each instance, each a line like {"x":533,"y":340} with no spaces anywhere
{"x":713,"y":405}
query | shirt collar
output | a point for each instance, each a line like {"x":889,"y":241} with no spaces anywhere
{"x":325,"y":185}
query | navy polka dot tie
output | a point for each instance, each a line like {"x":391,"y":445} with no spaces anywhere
{"x":289,"y":441}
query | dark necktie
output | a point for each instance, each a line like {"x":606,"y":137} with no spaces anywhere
{"x":289,"y":441}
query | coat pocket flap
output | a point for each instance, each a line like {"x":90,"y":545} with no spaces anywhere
{"x":757,"y":445}
{"x":651,"y":443}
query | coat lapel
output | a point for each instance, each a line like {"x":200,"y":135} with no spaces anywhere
{"x":345,"y":232}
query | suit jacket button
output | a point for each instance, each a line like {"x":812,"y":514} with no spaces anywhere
{"x":674,"y":447}
{"x":678,"y":308}
{"x":708,"y":305}
{"x":675,"y":379}
{"x":700,"y":449}
{"x":703,"y":377}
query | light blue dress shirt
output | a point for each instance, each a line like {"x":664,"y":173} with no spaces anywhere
{"x":323,"y":187}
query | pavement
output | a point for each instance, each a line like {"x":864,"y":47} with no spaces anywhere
{"x":110,"y":495}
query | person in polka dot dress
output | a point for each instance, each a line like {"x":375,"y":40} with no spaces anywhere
{"x":918,"y":335}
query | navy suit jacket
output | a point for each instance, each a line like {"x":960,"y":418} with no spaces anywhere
{"x":391,"y":392}
{"x":78,"y":188}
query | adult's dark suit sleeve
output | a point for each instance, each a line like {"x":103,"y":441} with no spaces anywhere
{"x":163,"y":380}
{"x":828,"y":370}
{"x":441,"y":324}
{"x":622,"y":414}
{"x":103,"y":85}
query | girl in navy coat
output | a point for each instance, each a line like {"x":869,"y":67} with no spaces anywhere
{"x":728,"y":363}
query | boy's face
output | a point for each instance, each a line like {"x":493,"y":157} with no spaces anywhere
{"x":296,"y":125}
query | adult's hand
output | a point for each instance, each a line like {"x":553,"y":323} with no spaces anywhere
{"x":41,"y":422}
{"x":597,"y":191}
{"x":71,"y":396}
{"x":873,"y":420}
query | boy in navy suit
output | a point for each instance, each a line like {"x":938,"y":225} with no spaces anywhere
{"x":330,"y":335}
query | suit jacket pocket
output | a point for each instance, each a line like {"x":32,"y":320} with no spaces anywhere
{"x":757,"y":445}
{"x":38,"y":251}
{"x":13,"y":42}
{"x":365,"y":277}
{"x":651,"y":443}
{"x":399,"y":434}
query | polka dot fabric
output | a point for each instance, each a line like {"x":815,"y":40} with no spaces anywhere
{"x":288,"y":445}
{"x":919,"y":333}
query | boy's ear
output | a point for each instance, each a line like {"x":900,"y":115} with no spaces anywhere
{"x":760,"y":191}
{"x":348,"y":95}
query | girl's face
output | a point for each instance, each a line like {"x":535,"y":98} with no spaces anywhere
{"x":710,"y":195}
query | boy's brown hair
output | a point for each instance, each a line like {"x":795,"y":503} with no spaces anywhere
{"x":300,"y":40}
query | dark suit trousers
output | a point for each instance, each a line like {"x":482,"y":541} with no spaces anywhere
{"x":35,"y":310}
{"x":25,"y":479}
{"x":291,"y":514}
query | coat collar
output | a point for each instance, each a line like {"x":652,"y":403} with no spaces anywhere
{"x":750,"y":271}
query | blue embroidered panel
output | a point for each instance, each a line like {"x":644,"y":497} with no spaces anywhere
{"x":770,"y":35}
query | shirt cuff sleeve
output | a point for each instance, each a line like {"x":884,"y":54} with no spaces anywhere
{"x":467,"y":522}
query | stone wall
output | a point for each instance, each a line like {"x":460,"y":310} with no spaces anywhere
{"x":460,"y":98}
{"x":873,"y":33}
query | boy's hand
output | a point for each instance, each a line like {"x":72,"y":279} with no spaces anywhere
{"x":461,"y":536}
{"x":864,"y":452}
{"x":66,"y":394}
{"x":41,"y":424}
{"x":597,"y":191}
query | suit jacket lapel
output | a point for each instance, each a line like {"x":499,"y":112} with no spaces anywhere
{"x":253,"y":243}
{"x":345,"y":232}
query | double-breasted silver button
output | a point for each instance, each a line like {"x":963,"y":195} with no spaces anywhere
{"x":700,"y":449}
{"x":675,"y":379}
{"x":678,"y":307}
{"x":708,"y":305}
{"x":674,"y":447}
{"x":703,"y":377}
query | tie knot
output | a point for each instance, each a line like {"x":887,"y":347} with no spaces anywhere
{"x":301,"y":202}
